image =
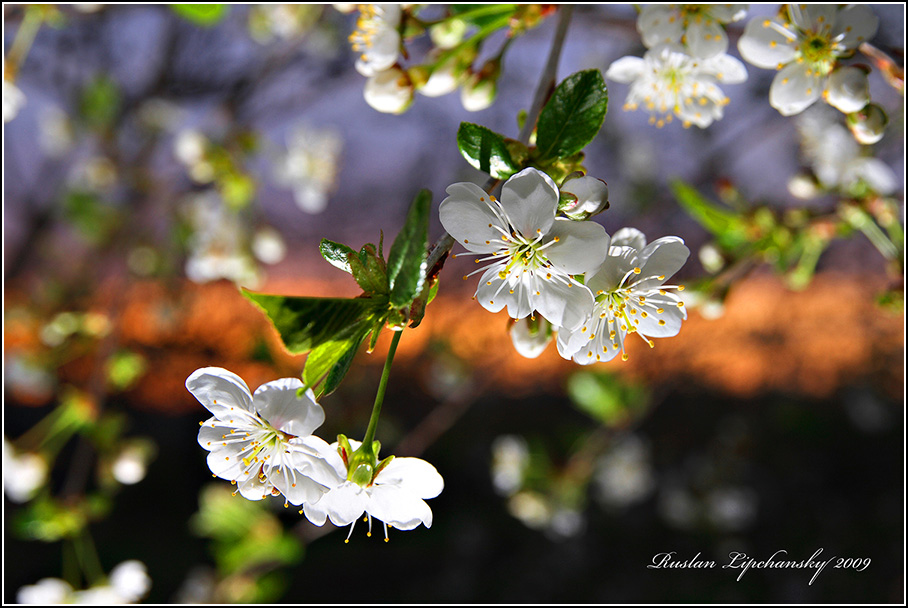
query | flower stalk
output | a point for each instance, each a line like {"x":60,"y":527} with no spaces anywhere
{"x":380,"y":396}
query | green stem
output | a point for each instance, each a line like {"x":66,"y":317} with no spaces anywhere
{"x":380,"y":396}
{"x":482,"y":11}
{"x":31,"y":23}
{"x":87,"y":555}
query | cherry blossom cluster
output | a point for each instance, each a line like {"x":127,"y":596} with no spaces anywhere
{"x":680,"y":74}
{"x":592,"y":289}
{"x":263,"y":443}
{"x":378,"y":40}
{"x":806,"y":43}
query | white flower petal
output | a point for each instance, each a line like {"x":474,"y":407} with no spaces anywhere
{"x":617,"y":264}
{"x":412,"y":474}
{"x":398,"y":507}
{"x":856,"y":23}
{"x":494,"y":294}
{"x":470,"y":220}
{"x":564,"y":305}
{"x":726,"y":69}
{"x":389,"y":91}
{"x":581,"y":246}
{"x":663,"y":257}
{"x":344,"y":503}
{"x":672,"y":315}
{"x":794,"y":89}
{"x":706,"y":38}
{"x":295,"y":485}
{"x":219,"y":390}
{"x":591,"y":193}
{"x":764,"y":45}
{"x":658,"y":24}
{"x":629,"y":237}
{"x":530,"y":199}
{"x":813,"y":17}
{"x":527,"y":344}
{"x":626,"y":69}
{"x":277,"y":403}
{"x":226,"y":463}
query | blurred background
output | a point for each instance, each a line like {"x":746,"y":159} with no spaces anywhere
{"x":161,"y":156}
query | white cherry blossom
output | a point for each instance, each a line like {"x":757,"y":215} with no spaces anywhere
{"x":532,"y":254}
{"x":310,"y":165}
{"x":631,"y":297}
{"x":13,"y":100}
{"x":805,"y":44}
{"x":698,"y":26}
{"x":389,"y":91}
{"x":261,"y":440}
{"x":667,"y":82}
{"x":395,"y":494}
{"x":23,"y":473}
{"x":376,"y":38}
{"x":836,"y":158}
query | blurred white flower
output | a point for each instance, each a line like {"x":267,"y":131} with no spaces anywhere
{"x":268,"y":245}
{"x":13,"y":100}
{"x":376,"y":38}
{"x":698,"y":26}
{"x":478,"y":93}
{"x":510,"y":458}
{"x":55,"y":132}
{"x":805,"y":44}
{"x":630,"y":297}
{"x":731,"y":508}
{"x":310,"y":166}
{"x":23,"y":473}
{"x":837,"y":159}
{"x":389,"y":91}
{"x":217,"y":247}
{"x":131,"y":464}
{"x":47,"y":591}
{"x":284,"y":21}
{"x":130,"y":580}
{"x":667,"y":82}
{"x":624,"y":475}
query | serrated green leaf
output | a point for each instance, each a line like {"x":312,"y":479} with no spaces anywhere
{"x":306,"y":323}
{"x":407,"y":258}
{"x":573,"y":116}
{"x":327,"y":364}
{"x":201,"y":14}
{"x":486,"y":150}
{"x":336,"y":254}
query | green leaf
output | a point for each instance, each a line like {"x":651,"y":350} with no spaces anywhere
{"x":100,"y":102}
{"x":407,"y":258}
{"x":418,"y":309}
{"x":306,"y":323}
{"x":336,"y":254}
{"x":607,"y":397}
{"x":573,"y":116}
{"x":486,"y":150}
{"x":724,"y":223}
{"x":369,"y":270}
{"x":328,"y":363}
{"x":201,"y":14}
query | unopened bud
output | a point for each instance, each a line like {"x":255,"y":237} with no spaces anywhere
{"x":711,"y":258}
{"x":530,"y":336}
{"x":591,"y":197}
{"x":448,"y":34}
{"x":868,"y":125}
{"x":389,"y":91}
{"x":803,"y":186}
{"x":847,"y":89}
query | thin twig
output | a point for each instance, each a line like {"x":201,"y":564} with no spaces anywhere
{"x":546,"y":83}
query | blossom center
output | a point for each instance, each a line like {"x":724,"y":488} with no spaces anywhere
{"x":818,"y":50}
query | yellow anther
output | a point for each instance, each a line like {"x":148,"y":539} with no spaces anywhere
{"x":636,"y":271}
{"x":680,"y":304}
{"x":661,"y":321}
{"x":660,"y":310}
{"x":624,"y":356}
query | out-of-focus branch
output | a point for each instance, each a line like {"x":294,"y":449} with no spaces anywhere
{"x":893,"y":74}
